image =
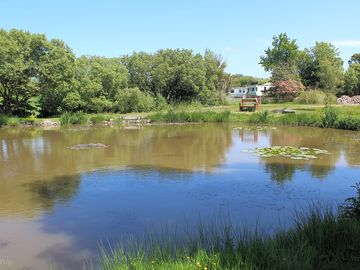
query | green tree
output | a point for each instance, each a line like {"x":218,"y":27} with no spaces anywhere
{"x":307,"y":68}
{"x":99,"y":80}
{"x":139,"y":66}
{"x":282,"y":58}
{"x":329,"y":66}
{"x":19,"y":61}
{"x":352,"y":76}
{"x":56,"y":76}
{"x":239,"y":80}
{"x":321,"y":67}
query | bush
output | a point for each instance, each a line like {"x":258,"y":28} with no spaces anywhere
{"x":287,"y":90}
{"x":72,"y":102}
{"x":100,"y":104}
{"x":329,"y":118}
{"x":351,"y":208}
{"x":133,"y":100}
{"x":300,"y":119}
{"x":13,"y":121}
{"x":348,"y":122}
{"x":314,"y":97}
{"x":95,"y":119}
{"x":78,"y":118}
{"x":211,"y":98}
{"x":3,"y":120}
{"x":160,"y":103}
{"x":260,"y":117}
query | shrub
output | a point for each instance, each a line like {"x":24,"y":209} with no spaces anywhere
{"x":100,"y":104}
{"x":348,"y":122}
{"x":351,"y":208}
{"x":329,"y":118}
{"x":77,"y":118}
{"x":260,"y":118}
{"x":95,"y":119}
{"x":13,"y":121}
{"x":211,"y":98}
{"x":133,"y":100}
{"x":287,"y":90}
{"x":314,"y":97}
{"x":160,"y":103}
{"x":3,"y":120}
{"x":72,"y":102}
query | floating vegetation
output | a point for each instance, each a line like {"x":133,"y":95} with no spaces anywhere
{"x":87,"y":146}
{"x":251,"y":128}
{"x":303,"y":153}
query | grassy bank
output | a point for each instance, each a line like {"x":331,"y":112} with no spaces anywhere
{"x":319,"y":240}
{"x":330,"y":117}
{"x":184,"y":116}
{"x":336,"y":116}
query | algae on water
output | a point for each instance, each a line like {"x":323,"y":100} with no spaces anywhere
{"x":301,"y":153}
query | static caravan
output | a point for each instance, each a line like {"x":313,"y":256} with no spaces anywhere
{"x":250,"y":91}
{"x":238,"y":92}
{"x":254,"y":91}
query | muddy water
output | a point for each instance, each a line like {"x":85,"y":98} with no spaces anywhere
{"x":58,"y":204}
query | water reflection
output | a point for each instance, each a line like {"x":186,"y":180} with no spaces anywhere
{"x":59,"y":190}
{"x":40,"y":159}
{"x":67,"y":201}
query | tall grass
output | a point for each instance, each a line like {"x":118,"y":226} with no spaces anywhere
{"x":9,"y":120}
{"x":99,"y":118}
{"x":315,"y":97}
{"x":319,"y":240}
{"x":173,"y":116}
{"x":77,"y":118}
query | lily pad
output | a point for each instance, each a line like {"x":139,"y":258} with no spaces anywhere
{"x":298,"y":153}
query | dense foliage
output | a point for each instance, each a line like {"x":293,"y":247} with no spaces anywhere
{"x":319,"y":67}
{"x":41,"y":76}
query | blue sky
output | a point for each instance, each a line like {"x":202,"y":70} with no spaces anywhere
{"x":238,"y":30}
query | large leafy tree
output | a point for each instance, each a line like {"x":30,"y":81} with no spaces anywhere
{"x":30,"y":67}
{"x":239,"y":80}
{"x":56,"y":76}
{"x":352,"y":76}
{"x":321,"y":67}
{"x":178,"y":75}
{"x":328,"y":66}
{"x":99,"y":80}
{"x":281,"y":59}
{"x":139,"y":66}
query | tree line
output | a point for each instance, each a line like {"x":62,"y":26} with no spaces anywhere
{"x":39,"y":76}
{"x":319,"y":67}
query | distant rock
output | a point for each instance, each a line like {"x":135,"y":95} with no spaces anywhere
{"x":348,"y":100}
{"x":283,"y":111}
{"x":288,"y":111}
{"x":87,"y":146}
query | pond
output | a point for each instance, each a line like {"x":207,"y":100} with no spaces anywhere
{"x":59,"y":202}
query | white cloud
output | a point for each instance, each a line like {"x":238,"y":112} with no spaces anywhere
{"x":347,"y":43}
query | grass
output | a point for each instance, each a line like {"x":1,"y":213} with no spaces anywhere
{"x":189,"y":116}
{"x":339,"y":117}
{"x":9,"y":120}
{"x":319,"y":240}
{"x":99,"y":118}
{"x":78,"y":118}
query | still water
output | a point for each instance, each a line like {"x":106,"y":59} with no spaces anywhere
{"x":58,"y":204}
